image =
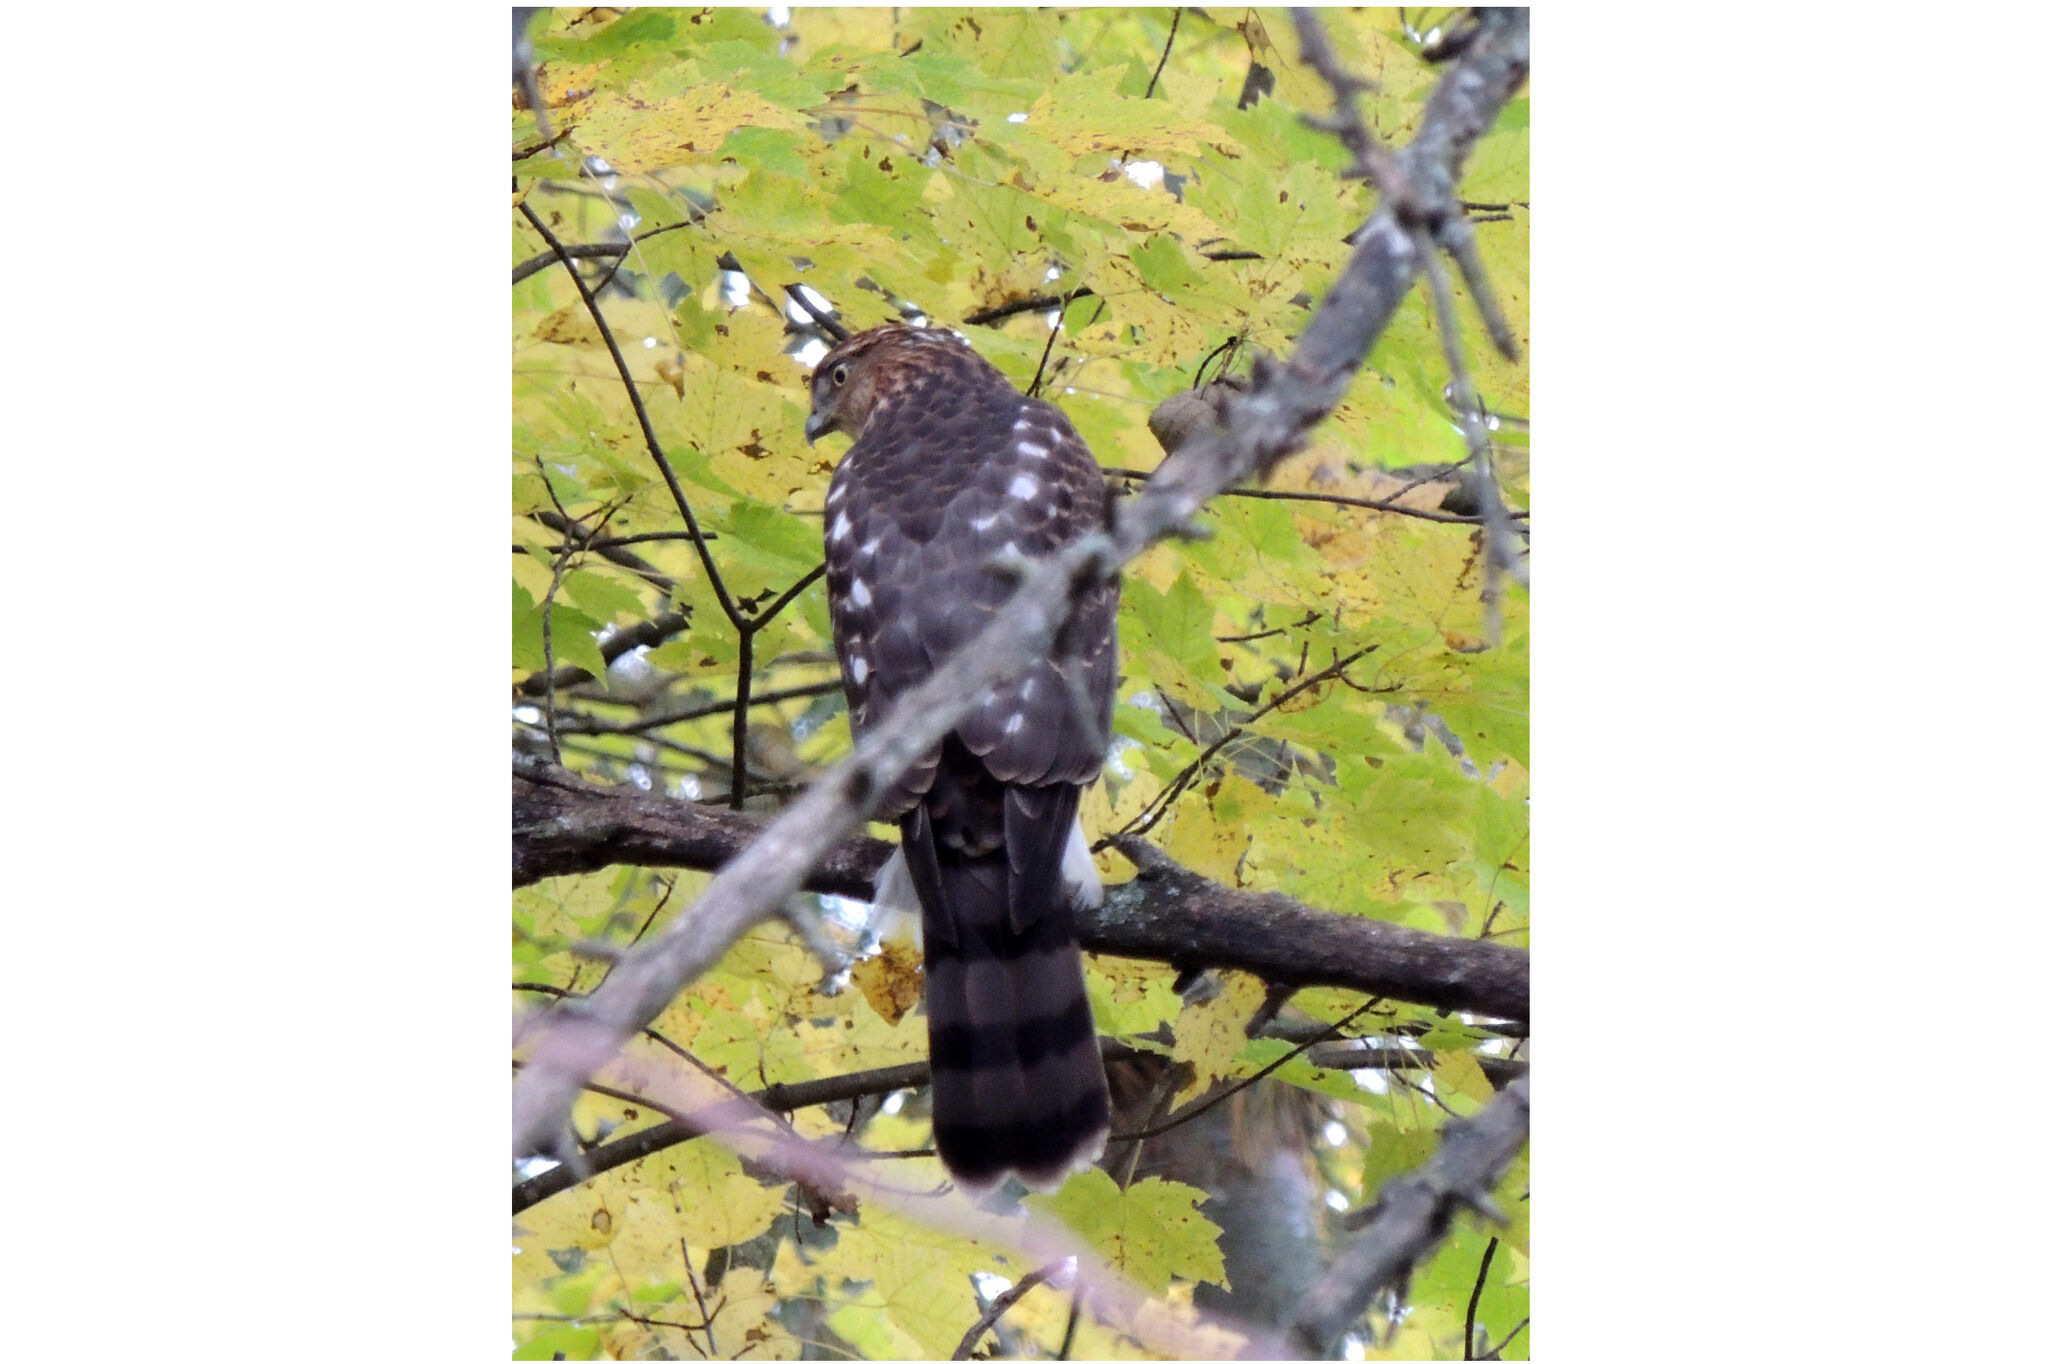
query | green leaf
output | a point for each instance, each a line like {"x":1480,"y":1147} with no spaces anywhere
{"x":772,"y":537}
{"x":1087,"y":116}
{"x":1180,"y":621}
{"x":750,"y":68}
{"x":632,"y":29}
{"x":1413,"y":808}
{"x":1151,"y":1231}
{"x":1006,"y":45}
{"x":920,"y":1279}
{"x":526,"y":634}
{"x":1395,"y":1151}
{"x":606,"y":598}
{"x":768,"y":201}
{"x":883,"y":188}
{"x":1161,"y":265}
{"x":774,"y":150}
{"x":1490,"y":715}
{"x":706,"y":28}
{"x":561,"y":1340}
{"x":572,"y":633}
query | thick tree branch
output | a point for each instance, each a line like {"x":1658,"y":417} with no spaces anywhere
{"x":1254,"y":432}
{"x":1168,"y":913}
{"x":1412,"y":1214}
{"x":561,"y":824}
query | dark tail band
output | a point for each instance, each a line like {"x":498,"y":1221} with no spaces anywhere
{"x":1017,"y":1082}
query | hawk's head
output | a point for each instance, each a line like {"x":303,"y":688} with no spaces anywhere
{"x":867,"y":370}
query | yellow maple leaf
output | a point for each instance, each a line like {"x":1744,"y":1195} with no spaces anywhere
{"x":891,"y":980}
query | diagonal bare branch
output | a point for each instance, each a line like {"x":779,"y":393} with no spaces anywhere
{"x":1412,"y":1214}
{"x":835,"y":1180}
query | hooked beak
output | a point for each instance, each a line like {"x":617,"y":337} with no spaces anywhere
{"x":815,"y":426}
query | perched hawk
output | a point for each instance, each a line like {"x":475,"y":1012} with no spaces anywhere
{"x":951,"y":468}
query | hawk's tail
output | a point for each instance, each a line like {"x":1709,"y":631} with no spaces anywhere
{"x":1017,"y":1079}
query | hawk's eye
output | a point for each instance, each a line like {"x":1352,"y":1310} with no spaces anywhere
{"x":838,"y":374}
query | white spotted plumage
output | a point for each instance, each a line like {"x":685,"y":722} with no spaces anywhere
{"x":953,"y":478}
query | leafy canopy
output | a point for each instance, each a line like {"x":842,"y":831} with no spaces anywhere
{"x":978,"y":167}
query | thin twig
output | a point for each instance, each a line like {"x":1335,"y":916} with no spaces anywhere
{"x":1052,"y":333}
{"x":547,"y":617}
{"x":547,"y":654}
{"x":774,"y":608}
{"x":1073,"y":1321}
{"x":645,"y":537}
{"x":663,"y":627}
{"x":1035,"y":303}
{"x":1173,"y":789}
{"x":668,"y":474}
{"x":827,"y":322}
{"x":1196,"y":1109}
{"x":1167,"y":52}
{"x":1002,"y":1303}
{"x":1171,"y":1077}
{"x":1367,"y":503}
{"x":1310,"y":619}
{"x":1046,"y":302}
{"x":743,"y":684}
{"x":743,"y":671}
{"x":589,"y":251}
{"x":575,"y":536}
{"x":589,"y":724}
{"x":1478,"y":1286}
{"x":1494,"y":1353}
{"x":648,"y":922}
